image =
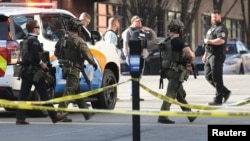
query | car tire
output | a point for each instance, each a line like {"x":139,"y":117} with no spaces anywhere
{"x":106,"y":99}
{"x":241,"y":69}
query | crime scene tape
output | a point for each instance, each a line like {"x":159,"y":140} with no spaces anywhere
{"x":6,"y":103}
{"x":71,"y":97}
{"x":194,"y":106}
{"x":29,"y":105}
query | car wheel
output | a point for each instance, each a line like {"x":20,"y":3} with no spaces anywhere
{"x":241,"y":69}
{"x":107,"y":99}
{"x":36,"y":113}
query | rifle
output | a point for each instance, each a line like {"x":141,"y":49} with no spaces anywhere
{"x":162,"y":75}
{"x":194,"y":71}
{"x":161,"y":71}
{"x":86,"y":78}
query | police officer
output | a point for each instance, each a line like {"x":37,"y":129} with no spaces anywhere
{"x":74,"y":51}
{"x":214,"y":57}
{"x":176,"y":63}
{"x":32,"y":74}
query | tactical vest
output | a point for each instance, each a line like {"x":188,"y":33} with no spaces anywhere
{"x":70,"y":54}
{"x":71,"y":51}
{"x":170,"y":58}
{"x":25,"y":51}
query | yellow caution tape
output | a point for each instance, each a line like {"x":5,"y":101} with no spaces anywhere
{"x":194,"y":106}
{"x":171,"y":100}
{"x":7,"y":104}
{"x":29,"y":105}
{"x":71,"y":97}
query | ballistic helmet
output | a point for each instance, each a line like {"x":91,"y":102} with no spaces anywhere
{"x":175,"y":25}
{"x":74,"y":24}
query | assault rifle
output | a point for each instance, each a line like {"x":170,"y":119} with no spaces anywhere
{"x":52,"y":70}
{"x":195,"y":73}
{"x":86,"y":78}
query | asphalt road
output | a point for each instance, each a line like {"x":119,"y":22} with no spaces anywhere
{"x":119,"y":127}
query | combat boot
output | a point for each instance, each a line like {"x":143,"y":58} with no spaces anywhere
{"x":165,"y":120}
{"x":88,"y":116}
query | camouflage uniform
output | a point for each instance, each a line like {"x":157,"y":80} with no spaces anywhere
{"x":174,"y":69}
{"x":75,"y":51}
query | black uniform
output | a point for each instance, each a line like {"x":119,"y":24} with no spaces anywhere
{"x":32,"y":75}
{"x":214,"y":64}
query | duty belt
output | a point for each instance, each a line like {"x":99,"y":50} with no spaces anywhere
{"x":176,"y":66}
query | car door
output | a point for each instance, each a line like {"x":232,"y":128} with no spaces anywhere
{"x":3,"y":44}
{"x":245,"y":56}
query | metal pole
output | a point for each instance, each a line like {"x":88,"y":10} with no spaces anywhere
{"x":136,"y":106}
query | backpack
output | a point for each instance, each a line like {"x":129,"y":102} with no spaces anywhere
{"x":25,"y":51}
{"x":119,"y":39}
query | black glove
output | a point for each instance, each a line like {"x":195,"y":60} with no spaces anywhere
{"x":95,"y":67}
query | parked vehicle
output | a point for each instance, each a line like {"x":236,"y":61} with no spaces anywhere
{"x":237,"y":58}
{"x":3,"y":58}
{"x":53,"y":27}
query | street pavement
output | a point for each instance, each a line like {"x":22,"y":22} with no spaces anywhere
{"x":119,"y":127}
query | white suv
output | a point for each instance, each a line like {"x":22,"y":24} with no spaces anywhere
{"x":52,"y":23}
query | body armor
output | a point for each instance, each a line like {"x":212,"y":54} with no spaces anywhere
{"x":170,"y":58}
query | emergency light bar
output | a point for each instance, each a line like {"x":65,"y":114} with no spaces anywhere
{"x":28,"y":4}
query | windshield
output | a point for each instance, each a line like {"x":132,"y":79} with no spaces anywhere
{"x":4,"y":27}
{"x":231,"y":49}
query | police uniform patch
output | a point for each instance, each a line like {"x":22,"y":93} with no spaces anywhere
{"x":223,"y":34}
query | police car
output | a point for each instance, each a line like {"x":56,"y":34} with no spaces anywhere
{"x":52,"y":27}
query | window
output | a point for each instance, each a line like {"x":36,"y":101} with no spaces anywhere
{"x":53,"y":28}
{"x":4,"y":28}
{"x":231,"y":49}
{"x":20,"y":30}
{"x":105,"y":11}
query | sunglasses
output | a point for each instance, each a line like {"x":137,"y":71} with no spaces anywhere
{"x":37,"y":27}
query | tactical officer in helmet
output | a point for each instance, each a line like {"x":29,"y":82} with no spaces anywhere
{"x":176,"y":63}
{"x":32,"y":74}
{"x":72,"y":52}
{"x":214,"y":57}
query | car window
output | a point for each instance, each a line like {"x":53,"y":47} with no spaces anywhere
{"x":19,"y":23}
{"x":199,"y":51}
{"x":231,"y":48}
{"x":53,"y":28}
{"x":242,"y":47}
{"x":4,"y":28}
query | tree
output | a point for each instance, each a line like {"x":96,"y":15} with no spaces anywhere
{"x":152,"y":11}
{"x":217,"y":4}
{"x":188,"y":17}
{"x":245,"y":21}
